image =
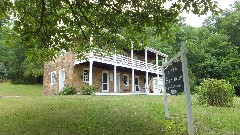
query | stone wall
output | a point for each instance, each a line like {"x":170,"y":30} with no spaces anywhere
{"x":65,"y":63}
{"x":97,"y":79}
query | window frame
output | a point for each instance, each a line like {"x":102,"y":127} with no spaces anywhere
{"x":127,"y":83}
{"x":125,"y":54}
{"x":53,"y":81}
{"x":84,"y":79}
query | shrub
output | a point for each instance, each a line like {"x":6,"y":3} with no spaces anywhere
{"x":68,"y":90}
{"x":3,"y":71}
{"x":88,"y":90}
{"x":213,"y":92}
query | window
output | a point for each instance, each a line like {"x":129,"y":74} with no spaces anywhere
{"x":53,"y":77}
{"x":125,"y":80}
{"x":135,"y":57}
{"x":62,"y":52}
{"x":125,"y":54}
{"x":85,"y":75}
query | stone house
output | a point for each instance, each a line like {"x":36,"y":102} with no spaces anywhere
{"x":136,"y":67}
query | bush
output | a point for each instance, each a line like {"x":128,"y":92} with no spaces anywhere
{"x":88,"y":90}
{"x":69,"y":90}
{"x":213,"y":92}
{"x":3,"y":71}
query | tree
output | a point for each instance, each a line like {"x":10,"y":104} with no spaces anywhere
{"x":228,"y":23}
{"x":51,"y":25}
{"x":14,"y":62}
{"x":211,"y":55}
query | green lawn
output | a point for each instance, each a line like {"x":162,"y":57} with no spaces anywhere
{"x":20,"y":90}
{"x":108,"y":115}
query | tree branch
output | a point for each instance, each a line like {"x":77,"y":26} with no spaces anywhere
{"x":76,"y":18}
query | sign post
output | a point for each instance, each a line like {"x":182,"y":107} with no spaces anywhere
{"x":165,"y":94}
{"x":187,"y":90}
{"x":176,"y":80}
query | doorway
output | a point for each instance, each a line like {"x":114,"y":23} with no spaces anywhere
{"x":105,"y":81}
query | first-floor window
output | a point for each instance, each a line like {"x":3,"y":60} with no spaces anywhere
{"x":85,"y":75}
{"x":125,"y":80}
{"x":53,"y":77}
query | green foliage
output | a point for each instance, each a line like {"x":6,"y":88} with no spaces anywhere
{"x":88,"y":90}
{"x":38,"y":22}
{"x":192,"y":81}
{"x":68,"y":90}
{"x":3,"y":71}
{"x":210,"y":55}
{"x":25,"y":80}
{"x":215,"y":92}
{"x":21,"y":68}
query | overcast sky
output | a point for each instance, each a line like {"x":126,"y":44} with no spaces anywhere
{"x":196,"y":21}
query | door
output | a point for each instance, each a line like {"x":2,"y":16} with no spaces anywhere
{"x":118,"y":82}
{"x":137,"y":88}
{"x":61,"y":79}
{"x":105,"y":81}
{"x":155,"y":86}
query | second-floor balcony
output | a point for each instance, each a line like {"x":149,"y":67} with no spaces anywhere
{"x":123,"y":61}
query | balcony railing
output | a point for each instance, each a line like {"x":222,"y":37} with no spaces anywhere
{"x":124,"y":61}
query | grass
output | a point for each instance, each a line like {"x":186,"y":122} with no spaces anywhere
{"x":20,"y":90}
{"x":137,"y":115}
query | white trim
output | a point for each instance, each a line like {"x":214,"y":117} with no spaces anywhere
{"x":115,"y":78}
{"x":53,"y":81}
{"x":85,"y":75}
{"x":61,"y":79}
{"x":146,"y":83}
{"x":157,"y":74}
{"x":133,"y":80}
{"x":115,"y":74}
{"x":157,"y":52}
{"x":107,"y":81}
{"x":90,"y":72}
{"x":127,"y":79}
{"x":138,"y":85}
{"x":118,"y":75}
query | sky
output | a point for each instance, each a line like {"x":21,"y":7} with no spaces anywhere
{"x":194,"y":20}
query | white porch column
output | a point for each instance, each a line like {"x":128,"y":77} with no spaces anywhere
{"x":91,"y":63}
{"x":146,"y":85}
{"x":157,"y":72}
{"x":90,"y":72}
{"x":115,"y":74}
{"x":133,"y":79}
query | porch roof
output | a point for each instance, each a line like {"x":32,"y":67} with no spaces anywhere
{"x":156,"y":52}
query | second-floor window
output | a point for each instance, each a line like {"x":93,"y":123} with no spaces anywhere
{"x":125,"y":80}
{"x":125,"y":54}
{"x":85,"y":75}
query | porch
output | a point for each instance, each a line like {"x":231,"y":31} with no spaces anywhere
{"x":126,"y":94}
{"x":116,"y":63}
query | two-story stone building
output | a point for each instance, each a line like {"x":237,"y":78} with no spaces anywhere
{"x":114,"y":73}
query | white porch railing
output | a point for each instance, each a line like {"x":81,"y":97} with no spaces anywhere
{"x":122,"y":61}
